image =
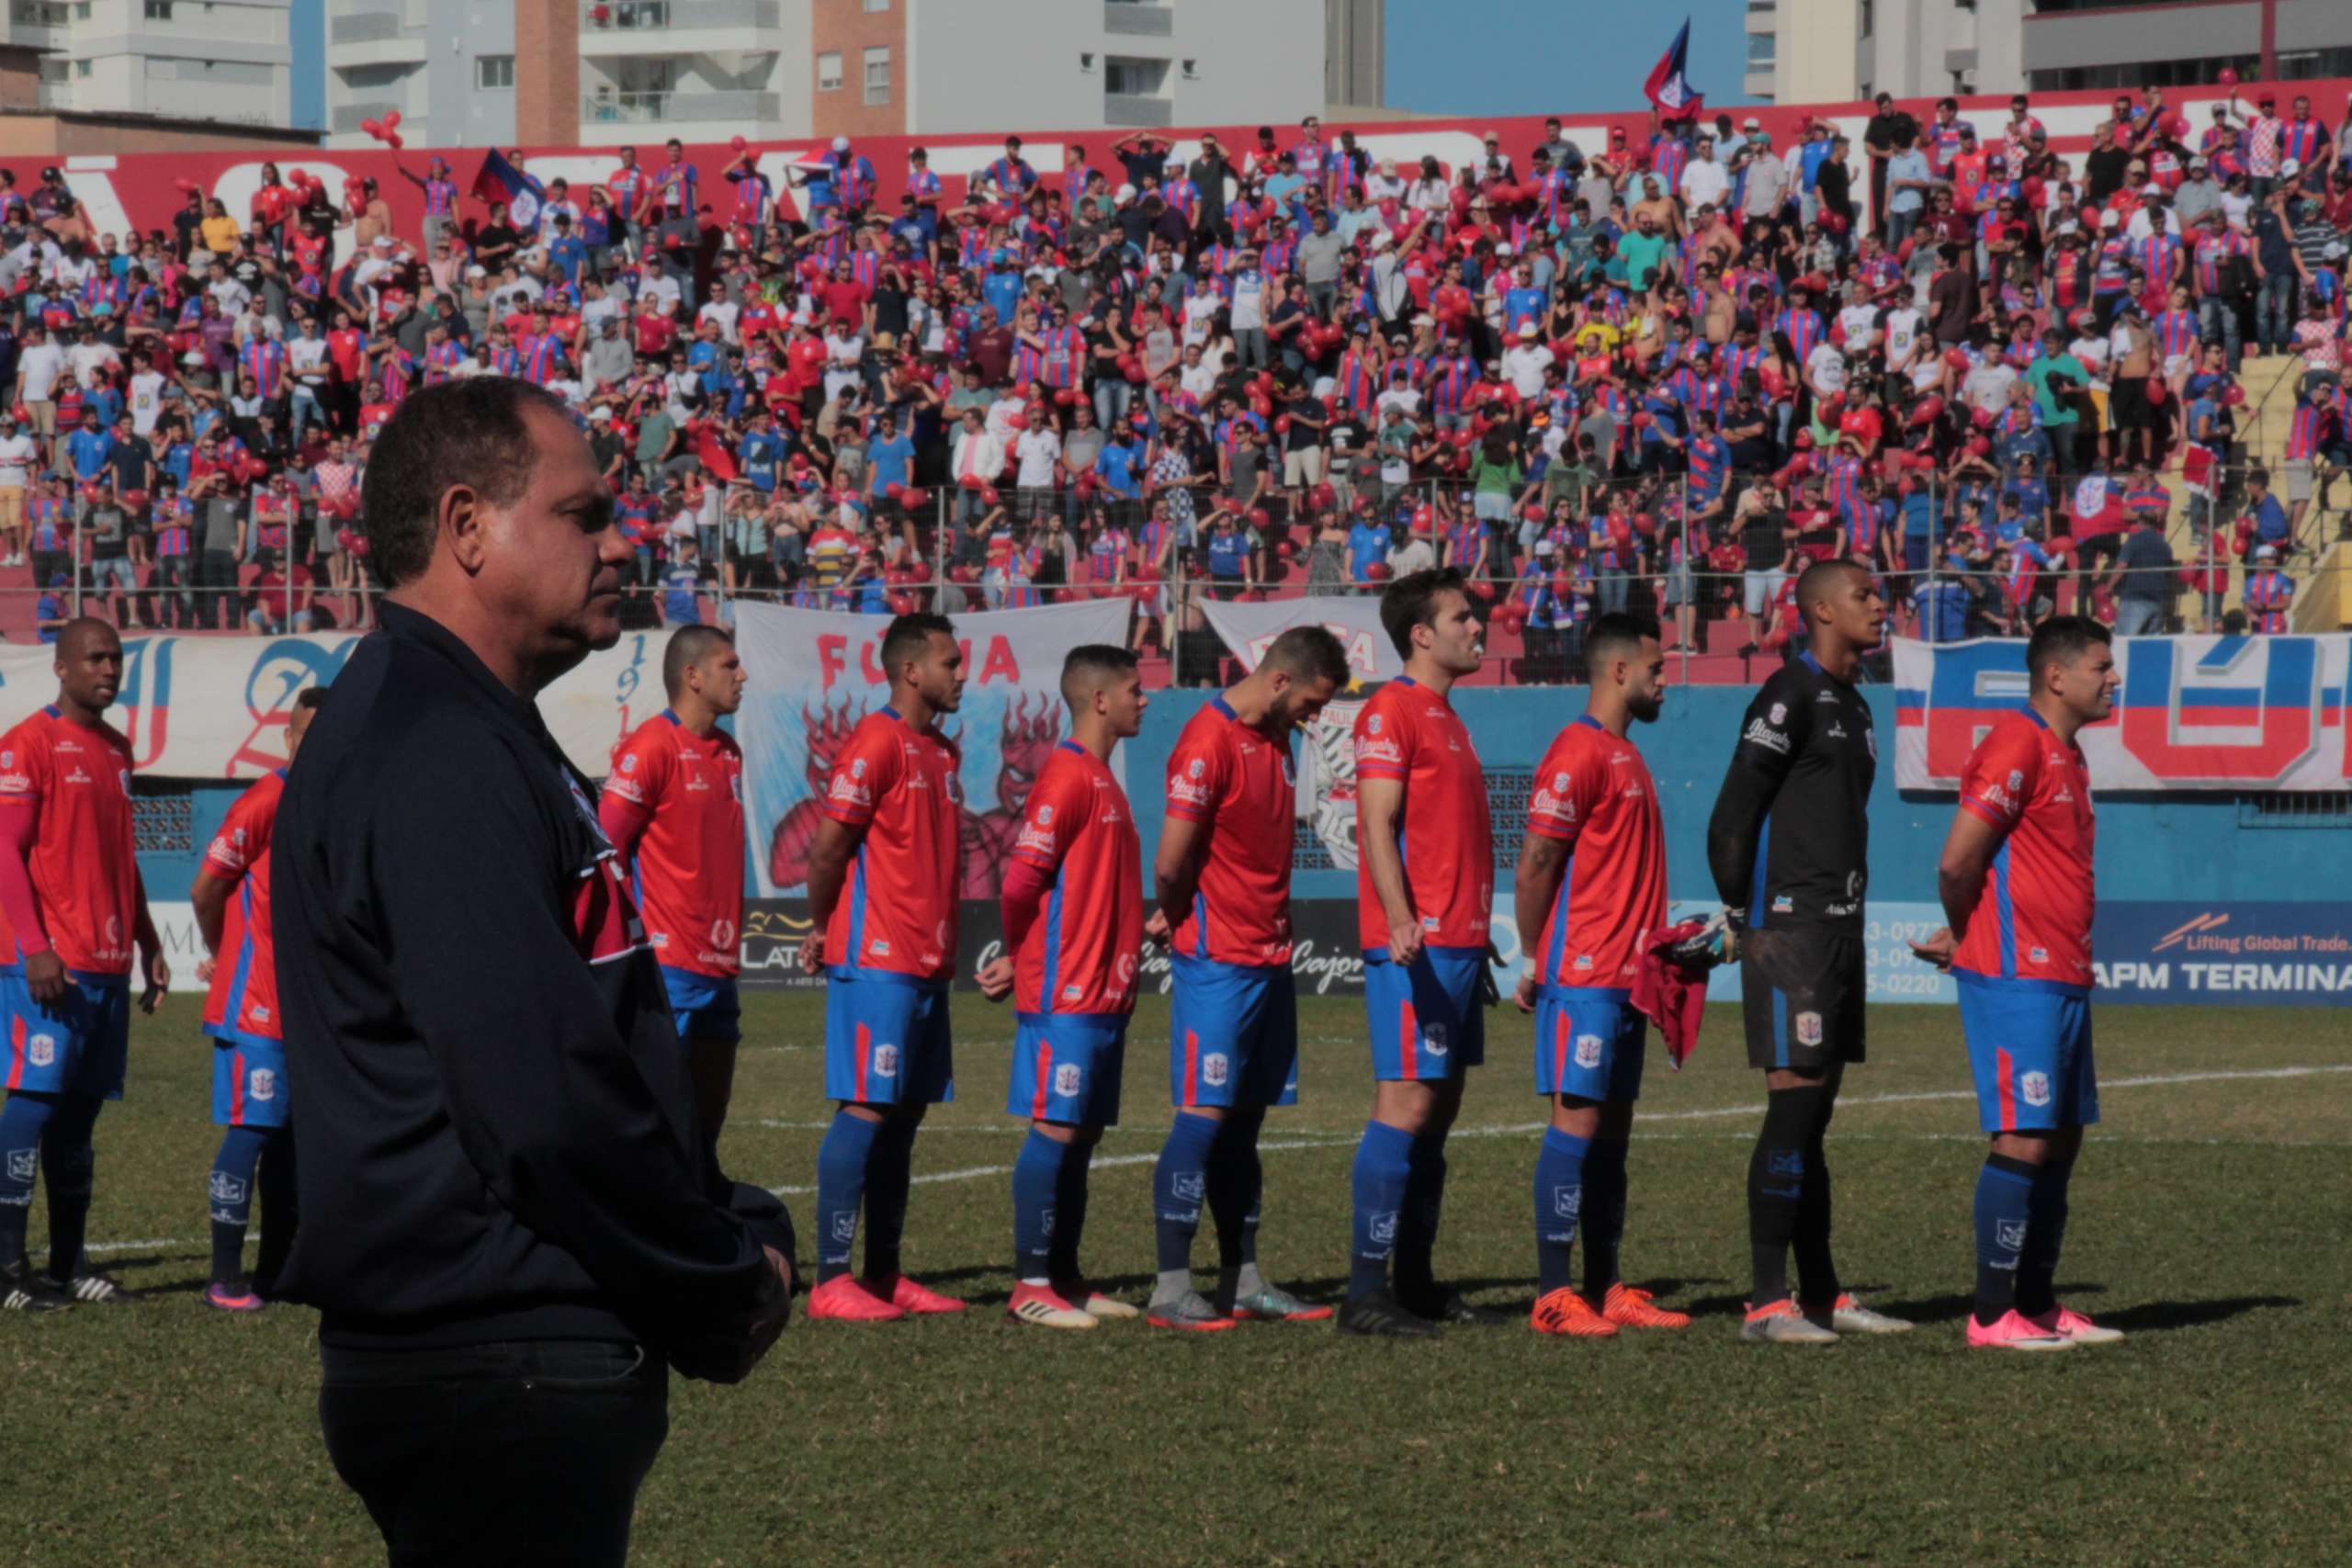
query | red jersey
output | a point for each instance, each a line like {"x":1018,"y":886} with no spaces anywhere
{"x":687,"y":865}
{"x":1080,"y":953}
{"x":242,"y":1001}
{"x":1410,"y":734}
{"x":83,"y":869}
{"x":903,"y":786}
{"x":1239,"y":784}
{"x":1594,"y":794}
{"x":2034,"y":914}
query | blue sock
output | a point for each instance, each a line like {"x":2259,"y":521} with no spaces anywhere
{"x":1559,"y":1199}
{"x":21,"y":1121}
{"x":1383,"y":1169}
{"x":2004,"y":1217}
{"x":889,"y":1176}
{"x":1604,"y":1217}
{"x":2045,"y":1232}
{"x":231,"y":1193}
{"x":1179,"y":1186}
{"x":841,"y":1162}
{"x":1069,"y":1213}
{"x":1035,"y":1174}
{"x":1417,"y":1222}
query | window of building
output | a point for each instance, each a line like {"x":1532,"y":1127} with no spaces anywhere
{"x":1761,"y":49}
{"x":1133,"y":78}
{"x":1870,"y":19}
{"x":877,"y":76}
{"x":81,"y":68}
{"x":492,"y":72}
{"x":159,"y":10}
{"x":1192,"y":70}
{"x":81,"y":10}
{"x":875,"y":5}
{"x":1086,"y":64}
{"x":829,"y":70}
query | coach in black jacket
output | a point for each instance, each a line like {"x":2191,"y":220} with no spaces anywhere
{"x":510,"y":1228}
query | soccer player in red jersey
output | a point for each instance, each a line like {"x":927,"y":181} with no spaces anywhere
{"x":71,"y":906}
{"x":1591,"y":883}
{"x":1425,"y":884}
{"x":674,"y":808}
{"x":883,"y":879}
{"x":2015,"y":880}
{"x":1073,"y":917}
{"x":1222,"y":876}
{"x":250,"y":1094}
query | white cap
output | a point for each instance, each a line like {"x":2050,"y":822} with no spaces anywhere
{"x":1382,"y":239}
{"x":1123,"y":196}
{"x":1751,"y":123}
{"x":599,"y":412}
{"x":1526,"y":330}
{"x":2111,"y":219}
{"x":2266,"y":552}
{"x":841,"y":143}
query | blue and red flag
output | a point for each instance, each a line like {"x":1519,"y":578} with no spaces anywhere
{"x":500,"y":180}
{"x":1669,"y":87}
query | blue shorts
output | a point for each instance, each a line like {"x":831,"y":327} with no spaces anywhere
{"x":703,"y":1007}
{"x":885,"y":1039}
{"x":81,"y":1047}
{"x":1428,"y":1020}
{"x":249,"y":1088}
{"x":1066,"y":1067}
{"x":1232,"y":1035}
{"x":2030,"y":1051}
{"x":1589,"y":1042}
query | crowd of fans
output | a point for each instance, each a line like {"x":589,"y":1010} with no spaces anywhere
{"x":1660,"y":372}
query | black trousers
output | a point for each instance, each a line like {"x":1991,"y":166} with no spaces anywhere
{"x":518,"y":1452}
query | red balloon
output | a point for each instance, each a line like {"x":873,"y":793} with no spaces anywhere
{"x":973,"y":481}
{"x":2228,"y":76}
{"x":738,"y":143}
{"x":374,"y":127}
{"x":1259,"y":518}
{"x":1281,"y":424}
{"x":1978,"y":447}
{"x":1068,"y":397}
{"x":1641,"y":421}
{"x":1535,"y":511}
{"x":1016,"y":420}
{"x":2234,"y":395}
{"x":392,"y":120}
{"x":1927,"y":410}
{"x":1377,"y":572}
{"x":895,"y":491}
{"x":2176,"y":126}
{"x":1323,"y":498}
{"x":2157,"y":392}
{"x":1483,"y":590}
{"x":988,"y":495}
{"x":1285,"y":551}
{"x":915,"y":498}
{"x":1957,"y":358}
{"x":392,"y":140}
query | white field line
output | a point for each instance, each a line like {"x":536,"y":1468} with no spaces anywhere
{"x":1522,"y":1129}
{"x":1500,"y":1130}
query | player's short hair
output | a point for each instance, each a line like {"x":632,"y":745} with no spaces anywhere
{"x":907,"y":635}
{"x":1091,"y":665}
{"x":2061,"y":639}
{"x":1617,"y":634}
{"x":1411,"y":601}
{"x":309,"y":698}
{"x":1816,"y":582}
{"x":468,"y":431}
{"x":1308,"y":653}
{"x":690,"y":645}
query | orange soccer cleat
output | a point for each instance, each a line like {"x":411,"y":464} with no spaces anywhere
{"x":1629,"y":1308}
{"x":845,"y":1297}
{"x":1565,"y":1311}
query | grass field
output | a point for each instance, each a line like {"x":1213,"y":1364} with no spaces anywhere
{"x":2212,"y":1218}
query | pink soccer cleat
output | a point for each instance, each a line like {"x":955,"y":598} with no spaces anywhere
{"x":846,"y":1298}
{"x":909,"y":1296}
{"x":2077,"y":1326}
{"x":2013,"y":1331}
{"x":232,"y":1295}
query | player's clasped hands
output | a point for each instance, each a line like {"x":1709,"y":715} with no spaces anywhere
{"x":995,"y":978}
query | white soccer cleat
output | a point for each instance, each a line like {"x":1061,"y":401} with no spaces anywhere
{"x":1779,"y":1323}
{"x":1039,"y":1305}
{"x":1850,"y":1316}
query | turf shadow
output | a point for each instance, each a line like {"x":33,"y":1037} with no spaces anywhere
{"x":2158,"y":1317}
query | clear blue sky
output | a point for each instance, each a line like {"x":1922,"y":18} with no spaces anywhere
{"x":1473,"y":57}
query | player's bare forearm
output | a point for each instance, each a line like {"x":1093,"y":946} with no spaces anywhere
{"x":1377,"y":802}
{"x":209,"y":898}
{"x":1542,"y":863}
{"x":143,"y":924}
{"x":829,"y":858}
{"x":1968,"y":851}
{"x":1176,"y":867}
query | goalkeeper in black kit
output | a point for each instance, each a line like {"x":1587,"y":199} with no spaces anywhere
{"x":1788,"y":845}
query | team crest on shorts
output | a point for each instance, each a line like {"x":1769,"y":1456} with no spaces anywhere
{"x":886,"y":1061}
{"x":262,"y":1084}
{"x":1808,"y":1029}
{"x":1588,"y":1050}
{"x":41,"y":1050}
{"x":2035,"y":1087}
{"x":1067,"y":1078}
{"x":1433,"y":1038}
{"x":1212,"y":1068}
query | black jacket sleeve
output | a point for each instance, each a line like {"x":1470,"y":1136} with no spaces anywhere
{"x":547,"y":1098}
{"x":1771,"y":732}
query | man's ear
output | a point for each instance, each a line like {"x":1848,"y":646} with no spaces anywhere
{"x":461,"y":521}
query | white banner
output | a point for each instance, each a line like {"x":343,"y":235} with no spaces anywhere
{"x":814,"y":673}
{"x":1249,"y":626}
{"x":215,"y":707}
{"x":2193,"y":713}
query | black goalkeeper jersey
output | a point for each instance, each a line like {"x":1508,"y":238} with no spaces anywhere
{"x":1789,"y":838}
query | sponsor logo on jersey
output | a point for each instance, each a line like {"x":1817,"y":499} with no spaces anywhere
{"x":850,"y":792}
{"x":1034,"y":838}
{"x":1071,"y":993}
{"x":2035,"y":1087}
{"x":1067,"y":1078}
{"x":1378,"y":751}
{"x":2038,"y":955}
{"x":1187,"y":790}
{"x":886,"y":1061}
{"x":262,"y":1084}
{"x":15,"y":784}
{"x":1588,"y":1050}
{"x":878,"y":948}
{"x":1784,"y":904}
{"x":1808,"y":1029}
{"x":1761,"y":733}
{"x":1835,"y":731}
{"x":1213,"y":1068}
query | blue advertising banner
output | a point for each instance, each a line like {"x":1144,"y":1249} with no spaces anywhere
{"x":2296,"y":954}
